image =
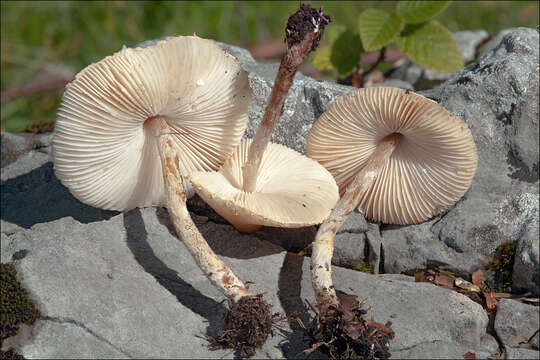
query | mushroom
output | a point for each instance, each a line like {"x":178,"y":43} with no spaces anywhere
{"x":292,"y":190}
{"x":133,"y":124}
{"x":265,"y":183}
{"x":398,"y":156}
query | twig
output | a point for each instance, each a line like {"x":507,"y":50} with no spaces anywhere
{"x":33,"y":87}
{"x":358,"y":75}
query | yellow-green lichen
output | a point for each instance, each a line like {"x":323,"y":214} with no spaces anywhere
{"x":364,"y":267}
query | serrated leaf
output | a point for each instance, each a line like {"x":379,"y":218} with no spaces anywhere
{"x":431,"y":45}
{"x":346,"y":52}
{"x":414,"y":12}
{"x":378,"y":28}
{"x":321,"y":60}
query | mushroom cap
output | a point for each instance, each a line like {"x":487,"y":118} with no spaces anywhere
{"x":105,"y":147}
{"x":292,"y":190}
{"x":430,"y":169}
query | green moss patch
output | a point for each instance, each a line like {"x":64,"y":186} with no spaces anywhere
{"x":503,"y":265}
{"x":16,"y":307}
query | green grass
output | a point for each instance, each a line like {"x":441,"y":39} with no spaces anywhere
{"x":35,"y":34}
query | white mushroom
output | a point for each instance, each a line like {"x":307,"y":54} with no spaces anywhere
{"x":131,"y":125}
{"x":292,"y":190}
{"x":398,"y":155}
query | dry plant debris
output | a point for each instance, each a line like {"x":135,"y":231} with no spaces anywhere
{"x":477,"y":291}
{"x":248,"y":322}
{"x":39,"y":127}
{"x":345,"y":333}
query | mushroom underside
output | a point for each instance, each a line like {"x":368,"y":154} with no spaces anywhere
{"x":291,"y":190}
{"x":429,"y":170}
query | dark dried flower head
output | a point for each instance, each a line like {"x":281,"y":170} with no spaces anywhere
{"x":306,"y":20}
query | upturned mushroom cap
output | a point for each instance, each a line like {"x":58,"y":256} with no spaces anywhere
{"x":291,"y":190}
{"x":105,"y":146}
{"x":430,"y":169}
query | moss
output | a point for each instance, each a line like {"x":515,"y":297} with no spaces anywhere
{"x":503,"y":264}
{"x":16,"y":307}
{"x":364,"y":267}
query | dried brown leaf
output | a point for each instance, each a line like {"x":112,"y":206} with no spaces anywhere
{"x":419,"y":276}
{"x":478,"y":278}
{"x":445,"y":279}
{"x":491,"y":302}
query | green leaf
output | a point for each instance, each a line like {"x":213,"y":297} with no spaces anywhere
{"x":378,"y":28}
{"x":419,"y":11}
{"x":321,"y":60}
{"x":431,"y":45}
{"x":333,"y":31}
{"x":346,"y":52}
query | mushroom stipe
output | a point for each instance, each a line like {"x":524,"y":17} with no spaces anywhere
{"x":211,"y":265}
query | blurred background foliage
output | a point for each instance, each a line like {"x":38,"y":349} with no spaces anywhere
{"x":40,"y":38}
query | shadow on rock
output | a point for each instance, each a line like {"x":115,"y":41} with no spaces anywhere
{"x":289,"y":294}
{"x":38,"y":196}
{"x":186,"y":294}
{"x":224,"y":239}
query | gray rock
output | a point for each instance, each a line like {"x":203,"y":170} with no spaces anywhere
{"x":526,"y":263}
{"x":349,"y":250}
{"x":520,"y":354}
{"x":50,"y":336}
{"x":494,"y":41}
{"x":468,"y":41}
{"x":37,"y":196}
{"x":14,"y":145}
{"x":126,"y":287}
{"x":516,"y":323}
{"x":355,"y":223}
{"x":489,"y":345}
{"x":497,"y":97}
{"x":535,"y":341}
{"x":397,"y":83}
{"x":438,"y":349}
{"x":374,"y":244}
{"x":423,"y":78}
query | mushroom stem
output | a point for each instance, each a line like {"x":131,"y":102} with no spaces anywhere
{"x":303,"y":33}
{"x":323,"y":246}
{"x":211,"y":265}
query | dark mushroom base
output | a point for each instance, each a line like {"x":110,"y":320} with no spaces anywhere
{"x":248,"y":323}
{"x":344,"y":333}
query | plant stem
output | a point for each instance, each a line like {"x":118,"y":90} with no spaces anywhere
{"x":303,"y":33}
{"x":211,"y":265}
{"x":323,"y":246}
{"x":359,"y":75}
